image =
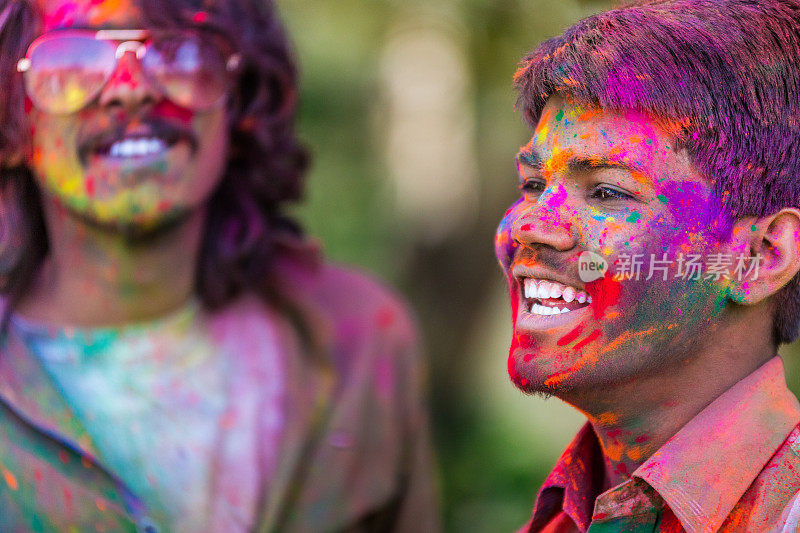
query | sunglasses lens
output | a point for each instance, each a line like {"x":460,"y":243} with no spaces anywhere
{"x":67,"y":72}
{"x":190,"y":71}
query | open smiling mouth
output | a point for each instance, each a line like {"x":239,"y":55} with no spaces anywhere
{"x":134,"y":147}
{"x":545,"y":297}
{"x":136,"y":144}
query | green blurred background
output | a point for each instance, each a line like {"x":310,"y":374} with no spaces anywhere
{"x":408,"y":108}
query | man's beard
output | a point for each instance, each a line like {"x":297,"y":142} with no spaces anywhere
{"x":134,"y":234}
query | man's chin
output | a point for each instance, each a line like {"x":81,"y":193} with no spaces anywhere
{"x":542,"y":373}
{"x":132,"y":230}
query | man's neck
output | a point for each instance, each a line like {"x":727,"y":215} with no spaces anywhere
{"x":96,"y":277}
{"x":635,"y":419}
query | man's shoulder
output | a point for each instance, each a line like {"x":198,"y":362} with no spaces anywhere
{"x":353,"y":316}
{"x":353,"y":298}
{"x":772,"y":502}
{"x":364,"y":321}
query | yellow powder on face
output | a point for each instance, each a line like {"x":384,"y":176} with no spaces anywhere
{"x":575,"y":112}
{"x":541,"y":134}
{"x":542,"y":128}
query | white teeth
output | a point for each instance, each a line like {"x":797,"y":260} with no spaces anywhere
{"x":137,"y":147}
{"x":540,"y":310}
{"x":544,"y":290}
{"x":545,"y":310}
{"x":569,"y":294}
{"x":555,"y":290}
{"x":530,"y":288}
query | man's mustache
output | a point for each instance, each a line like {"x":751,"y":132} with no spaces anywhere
{"x":169,"y":131}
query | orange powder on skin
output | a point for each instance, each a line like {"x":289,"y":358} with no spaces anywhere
{"x":103,"y":11}
{"x":586,"y":115}
{"x":608,"y":418}
{"x":636,"y":453}
{"x":640,"y":177}
{"x":628,"y":336}
{"x":614,"y":451}
{"x":557,"y":378}
{"x":558,"y":161}
{"x":10,"y":479}
{"x":592,"y":358}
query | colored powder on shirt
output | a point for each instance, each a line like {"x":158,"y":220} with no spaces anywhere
{"x":155,"y":400}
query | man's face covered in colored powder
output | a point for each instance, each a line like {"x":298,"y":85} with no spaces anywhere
{"x":132,"y":159}
{"x":615,"y":185}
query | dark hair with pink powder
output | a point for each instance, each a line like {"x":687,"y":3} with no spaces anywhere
{"x":246,"y":230}
{"x":724,"y":74}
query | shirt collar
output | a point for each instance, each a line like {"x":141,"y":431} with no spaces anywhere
{"x":693,"y":472}
{"x":573,"y":484}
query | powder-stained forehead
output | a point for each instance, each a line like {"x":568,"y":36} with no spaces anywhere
{"x":58,"y":14}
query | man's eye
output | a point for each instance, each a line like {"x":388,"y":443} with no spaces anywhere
{"x":532,"y":186}
{"x":608,"y":193}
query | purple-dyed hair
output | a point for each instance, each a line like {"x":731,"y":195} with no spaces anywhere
{"x":724,"y":74}
{"x":246,"y":231}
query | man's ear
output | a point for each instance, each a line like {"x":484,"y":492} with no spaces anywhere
{"x":773,"y":246}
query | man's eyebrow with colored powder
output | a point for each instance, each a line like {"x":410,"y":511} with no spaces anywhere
{"x":529,"y":156}
{"x":590,"y":164}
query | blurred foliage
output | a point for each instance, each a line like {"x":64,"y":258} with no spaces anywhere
{"x":494,"y":446}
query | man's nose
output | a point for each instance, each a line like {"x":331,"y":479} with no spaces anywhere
{"x":548,"y":222}
{"x":129,"y":86}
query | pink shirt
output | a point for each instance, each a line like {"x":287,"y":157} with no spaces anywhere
{"x":734,"y":467}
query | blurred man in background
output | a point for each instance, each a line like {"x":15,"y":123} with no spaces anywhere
{"x":175,"y":356}
{"x":652,"y":262}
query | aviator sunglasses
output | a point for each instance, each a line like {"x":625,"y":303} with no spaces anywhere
{"x":66,"y":70}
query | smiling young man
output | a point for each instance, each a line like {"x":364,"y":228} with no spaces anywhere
{"x":652,"y":263}
{"x":174,"y":356}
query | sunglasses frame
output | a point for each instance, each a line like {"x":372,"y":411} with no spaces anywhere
{"x":136,"y":41}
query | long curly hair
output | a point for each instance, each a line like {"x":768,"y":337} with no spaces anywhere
{"x":246,"y":231}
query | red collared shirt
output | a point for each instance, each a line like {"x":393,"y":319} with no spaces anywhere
{"x":734,"y":467}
